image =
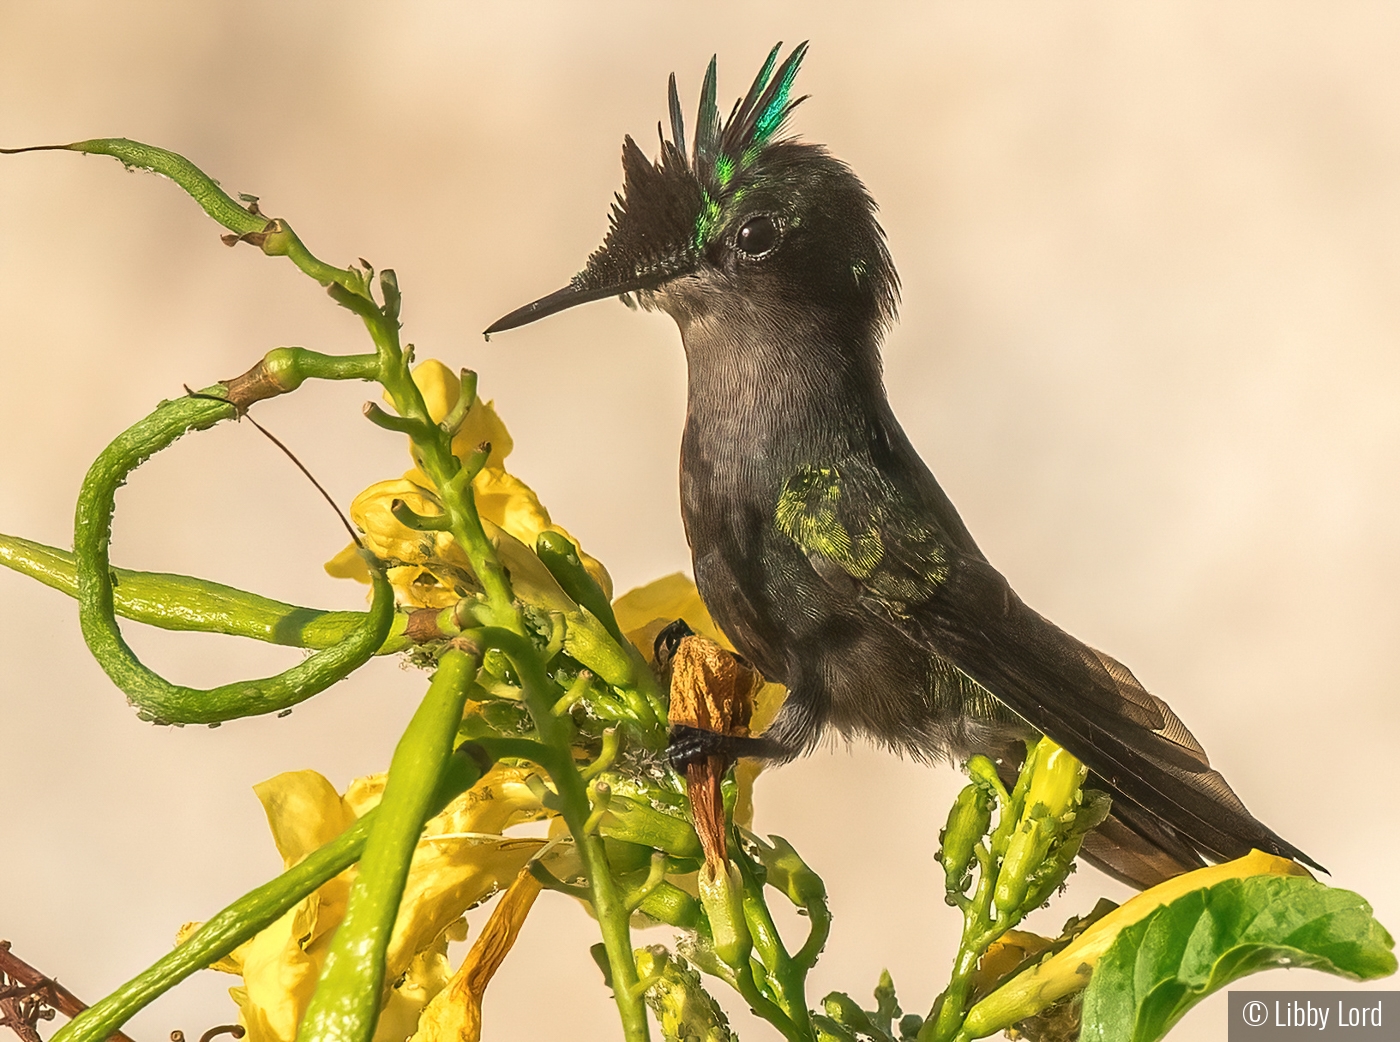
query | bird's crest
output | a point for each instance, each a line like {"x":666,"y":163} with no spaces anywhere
{"x":667,"y":210}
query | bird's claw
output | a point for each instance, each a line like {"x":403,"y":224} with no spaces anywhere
{"x":688,"y":745}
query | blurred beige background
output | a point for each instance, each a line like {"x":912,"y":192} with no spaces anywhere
{"x":1149,"y":345}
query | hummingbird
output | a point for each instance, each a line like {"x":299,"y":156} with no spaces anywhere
{"x":821,"y":543}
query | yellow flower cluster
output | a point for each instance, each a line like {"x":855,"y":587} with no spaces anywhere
{"x":463,"y":858}
{"x":428,"y":569}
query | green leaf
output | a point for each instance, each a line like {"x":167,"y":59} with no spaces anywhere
{"x":1161,"y":966}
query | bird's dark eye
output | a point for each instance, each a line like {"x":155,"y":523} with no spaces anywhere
{"x":758,"y":235}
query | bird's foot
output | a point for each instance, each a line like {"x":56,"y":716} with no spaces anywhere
{"x":689,"y":745}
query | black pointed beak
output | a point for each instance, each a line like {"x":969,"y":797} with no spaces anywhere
{"x":574,"y":293}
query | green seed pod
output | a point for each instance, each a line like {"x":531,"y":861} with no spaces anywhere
{"x":1023,"y":854}
{"x":722,"y":895}
{"x":639,"y":822}
{"x":982,"y":769}
{"x":789,"y":873}
{"x":968,"y":820}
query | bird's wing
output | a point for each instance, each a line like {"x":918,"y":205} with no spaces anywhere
{"x":863,"y":535}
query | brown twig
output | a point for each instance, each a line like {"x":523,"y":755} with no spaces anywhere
{"x":28,"y":996}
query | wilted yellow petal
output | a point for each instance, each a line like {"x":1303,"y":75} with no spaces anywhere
{"x":279,"y":978}
{"x":348,"y":564}
{"x":1067,"y":971}
{"x":425,"y":978}
{"x":363,"y":794}
{"x":388,"y":537}
{"x":454,"y":1015}
{"x":429,"y":570}
{"x":510,"y":503}
{"x":529,"y":578}
{"x":457,"y":864}
{"x":1005,"y":954}
{"x":304,"y":812}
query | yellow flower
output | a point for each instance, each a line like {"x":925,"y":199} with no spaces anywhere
{"x":461,"y":860}
{"x":441,"y":388}
{"x":428,"y":568}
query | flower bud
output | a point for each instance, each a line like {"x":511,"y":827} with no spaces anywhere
{"x":789,"y":873}
{"x":968,"y":820}
{"x":722,"y":895}
{"x":1023,"y":853}
{"x":1055,"y":781}
{"x":682,"y":1006}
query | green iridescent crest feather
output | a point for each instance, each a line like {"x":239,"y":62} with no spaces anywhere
{"x":669,"y":210}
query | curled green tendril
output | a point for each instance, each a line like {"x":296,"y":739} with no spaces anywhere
{"x":154,"y":697}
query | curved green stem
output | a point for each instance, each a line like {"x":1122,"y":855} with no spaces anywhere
{"x":786,"y":978}
{"x":347,"y":999}
{"x":273,"y":235}
{"x":154,"y":697}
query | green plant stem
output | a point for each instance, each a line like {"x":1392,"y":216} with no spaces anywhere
{"x":765,"y":1007}
{"x":185,"y":603}
{"x":819,"y":916}
{"x":272,"y":235}
{"x":432,"y":448}
{"x":290,"y":367}
{"x":250,"y":914}
{"x":786,"y":978}
{"x":948,"y":1013}
{"x":576,"y":809}
{"x":154,"y":697}
{"x":345,"y":1007}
